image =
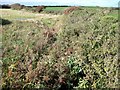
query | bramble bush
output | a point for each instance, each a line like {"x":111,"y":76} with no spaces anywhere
{"x":70,"y":9}
{"x":39,"y":8}
{"x":94,"y":38}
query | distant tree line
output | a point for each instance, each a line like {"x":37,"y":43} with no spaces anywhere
{"x":5,"y":6}
{"x":38,"y":9}
{"x":18,"y":6}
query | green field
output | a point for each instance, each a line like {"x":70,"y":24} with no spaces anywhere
{"x":60,"y":52}
{"x":55,"y":8}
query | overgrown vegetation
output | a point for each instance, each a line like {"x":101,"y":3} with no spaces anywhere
{"x":82,"y":54}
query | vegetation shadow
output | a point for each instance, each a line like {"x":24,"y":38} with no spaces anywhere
{"x":4,"y":21}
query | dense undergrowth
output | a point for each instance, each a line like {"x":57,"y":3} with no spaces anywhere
{"x":81,"y":55}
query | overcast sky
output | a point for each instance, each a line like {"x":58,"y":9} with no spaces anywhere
{"x":111,"y":3}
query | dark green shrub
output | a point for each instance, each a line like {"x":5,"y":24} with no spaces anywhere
{"x":4,"y":21}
